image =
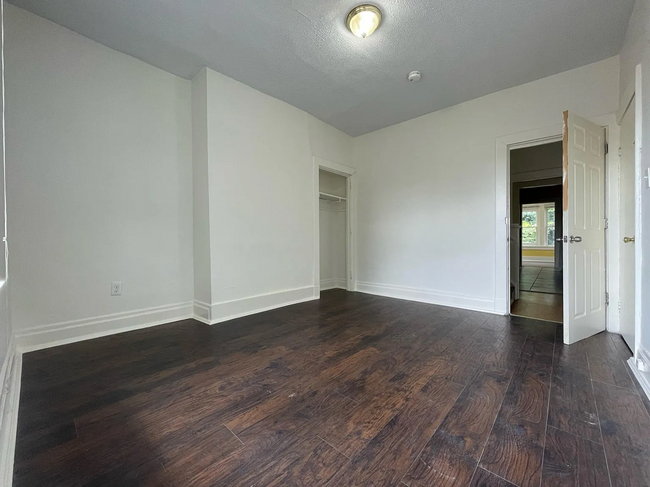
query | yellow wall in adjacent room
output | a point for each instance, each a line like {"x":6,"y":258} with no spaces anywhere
{"x":538,"y":252}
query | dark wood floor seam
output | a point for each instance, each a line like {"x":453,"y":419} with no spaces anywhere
{"x":494,"y":423}
{"x":563,"y":430}
{"x":498,"y":476}
{"x":434,"y":432}
{"x":325,"y":441}
{"x":233,"y":433}
{"x":627,"y":389}
{"x":548,"y":409}
{"x":602,"y":439}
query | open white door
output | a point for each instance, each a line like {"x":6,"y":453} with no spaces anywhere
{"x":584,"y":228}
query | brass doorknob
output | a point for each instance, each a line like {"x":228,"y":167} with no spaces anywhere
{"x":628,"y":239}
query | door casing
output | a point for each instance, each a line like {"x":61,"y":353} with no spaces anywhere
{"x":539,"y":136}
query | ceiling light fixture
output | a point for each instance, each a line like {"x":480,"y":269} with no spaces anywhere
{"x":364,"y":20}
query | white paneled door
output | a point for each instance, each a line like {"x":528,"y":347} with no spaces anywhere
{"x":584,"y":228}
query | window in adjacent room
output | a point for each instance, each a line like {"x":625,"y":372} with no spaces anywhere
{"x":538,"y":225}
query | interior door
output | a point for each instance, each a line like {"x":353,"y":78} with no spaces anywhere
{"x":627,"y":191}
{"x":584,"y":228}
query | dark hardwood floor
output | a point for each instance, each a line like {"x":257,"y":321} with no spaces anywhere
{"x":353,"y":389}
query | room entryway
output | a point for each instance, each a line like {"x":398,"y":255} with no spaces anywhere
{"x":540,"y":294}
{"x":536,"y":255}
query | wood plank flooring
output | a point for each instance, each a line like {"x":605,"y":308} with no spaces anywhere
{"x":540,"y":279}
{"x":540,"y":306}
{"x":350,"y":390}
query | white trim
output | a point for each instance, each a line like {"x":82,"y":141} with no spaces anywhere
{"x":642,"y":376}
{"x":333,"y":283}
{"x":350,"y":232}
{"x":537,"y":261}
{"x":238,"y":308}
{"x":612,"y":213}
{"x":65,"y":332}
{"x":9,"y":398}
{"x":335,"y":167}
{"x":201,"y":311}
{"x":638,"y":231}
{"x":464,"y":301}
{"x":545,"y":135}
{"x":504,"y":144}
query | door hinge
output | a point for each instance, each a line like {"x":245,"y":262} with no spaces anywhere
{"x":606,"y":299}
{"x":606,"y":148}
{"x":620,"y":152}
{"x":606,"y":223}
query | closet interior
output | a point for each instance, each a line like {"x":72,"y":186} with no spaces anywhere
{"x":333,"y":224}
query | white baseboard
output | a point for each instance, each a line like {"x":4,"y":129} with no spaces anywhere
{"x":326,"y":284}
{"x":464,"y":301}
{"x":642,"y":376}
{"x":9,"y":398}
{"x":538,"y":261}
{"x":47,"y":336}
{"x":229,"y":310}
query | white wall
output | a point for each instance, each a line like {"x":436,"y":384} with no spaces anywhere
{"x":261,"y":197}
{"x":636,"y":49}
{"x":201,"y":197}
{"x":5,"y":323}
{"x":99,"y":185}
{"x":426,"y":191}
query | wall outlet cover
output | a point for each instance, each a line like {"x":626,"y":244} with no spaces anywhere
{"x":116,"y":288}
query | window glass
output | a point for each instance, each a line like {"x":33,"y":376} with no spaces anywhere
{"x":550,"y":225}
{"x":529,"y":227}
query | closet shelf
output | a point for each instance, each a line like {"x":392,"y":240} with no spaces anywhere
{"x":331,"y":197}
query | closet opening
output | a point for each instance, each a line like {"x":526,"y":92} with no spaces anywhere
{"x":333,"y":230}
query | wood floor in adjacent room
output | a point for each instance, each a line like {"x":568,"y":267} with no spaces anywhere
{"x":540,"y":306}
{"x":353,"y":389}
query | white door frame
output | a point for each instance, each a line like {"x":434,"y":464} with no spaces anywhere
{"x":638,"y":221}
{"x":530,"y":138}
{"x":350,"y":174}
{"x":504,"y":145}
{"x":634,"y":91}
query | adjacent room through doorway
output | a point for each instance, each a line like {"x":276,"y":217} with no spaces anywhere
{"x":536,"y":253}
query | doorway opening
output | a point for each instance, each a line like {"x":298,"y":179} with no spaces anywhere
{"x":332,"y":223}
{"x":585,"y":189}
{"x":334,"y":192}
{"x":536,"y":224}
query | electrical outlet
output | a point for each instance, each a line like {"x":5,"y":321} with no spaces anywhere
{"x":116,"y":288}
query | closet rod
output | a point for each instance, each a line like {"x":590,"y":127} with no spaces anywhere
{"x":330,"y":197}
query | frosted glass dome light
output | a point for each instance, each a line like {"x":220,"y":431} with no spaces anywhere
{"x":364,"y":20}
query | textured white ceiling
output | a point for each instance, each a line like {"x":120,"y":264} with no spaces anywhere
{"x":301,"y":52}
